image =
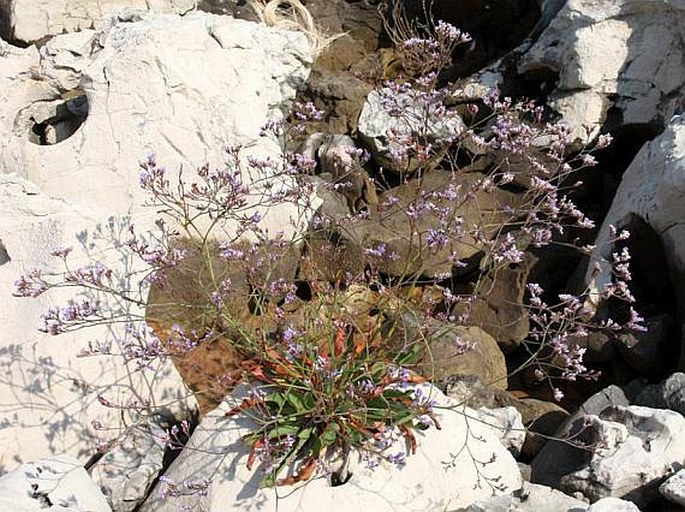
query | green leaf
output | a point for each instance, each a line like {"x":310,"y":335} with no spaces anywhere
{"x":296,"y":402}
{"x":330,"y":434}
{"x":284,"y":430}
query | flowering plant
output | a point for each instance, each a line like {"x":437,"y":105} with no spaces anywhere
{"x":328,"y":356}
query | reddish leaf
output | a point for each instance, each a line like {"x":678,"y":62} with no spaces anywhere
{"x":306,"y":472}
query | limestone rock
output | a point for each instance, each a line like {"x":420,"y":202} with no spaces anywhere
{"x":148,"y":90}
{"x":505,"y":423}
{"x":607,"y":54}
{"x":179,"y":112}
{"x":633,"y":449}
{"x":651,"y":189}
{"x":49,"y":394}
{"x":380,"y":127}
{"x":58,"y":483}
{"x":673,"y":489}
{"x":32,"y":20}
{"x":440,"y":474}
{"x":530,"y":498}
{"x":125,"y":473}
{"x":613,"y":505}
{"x":558,"y":458}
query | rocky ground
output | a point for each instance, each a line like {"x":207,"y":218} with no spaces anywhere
{"x":87,"y":94}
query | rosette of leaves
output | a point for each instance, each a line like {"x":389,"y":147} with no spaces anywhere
{"x":315,"y":398}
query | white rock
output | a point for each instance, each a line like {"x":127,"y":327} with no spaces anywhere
{"x":620,"y":53}
{"x":65,"y":57}
{"x":652,"y":188}
{"x":181,"y":87}
{"x":505,"y":423}
{"x":613,"y":505}
{"x":31,"y":20}
{"x":125,"y":473}
{"x":634,"y":448}
{"x":58,"y":483}
{"x":149,"y":91}
{"x":376,"y":125}
{"x":453,"y":467}
{"x":49,"y":395}
{"x":530,"y":498}
{"x":673,"y":489}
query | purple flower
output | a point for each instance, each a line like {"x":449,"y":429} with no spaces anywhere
{"x":398,"y":459}
{"x":30,"y":285}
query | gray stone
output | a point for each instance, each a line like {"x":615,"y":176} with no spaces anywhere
{"x":670,"y":394}
{"x":559,"y":457}
{"x":621,"y":54}
{"x":651,"y":189}
{"x":632,"y":449}
{"x":673,"y":489}
{"x":377,"y":124}
{"x":126,"y":471}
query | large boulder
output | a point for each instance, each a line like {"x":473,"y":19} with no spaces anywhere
{"x":452,"y":467}
{"x":184,"y":115}
{"x":650,"y":192}
{"x":632,"y":450}
{"x":620,"y":55}
{"x":57,"y":483}
{"x":50,"y":397}
{"x":147,"y":90}
{"x":32,"y":20}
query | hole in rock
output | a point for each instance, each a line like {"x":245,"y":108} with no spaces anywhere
{"x":4,"y":255}
{"x":55,"y":121}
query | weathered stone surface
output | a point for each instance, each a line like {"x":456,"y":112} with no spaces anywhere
{"x":391,"y":225}
{"x":632,"y":449}
{"x":499,"y":309}
{"x":613,"y":505}
{"x":669,"y":394}
{"x":558,"y":458}
{"x":32,"y":20}
{"x":530,"y":498}
{"x":380,"y":127}
{"x":651,"y":189}
{"x":340,"y":96}
{"x":180,"y":112}
{"x":647,"y":352}
{"x":446,"y":356}
{"x":125,"y":473}
{"x":58,"y":483}
{"x":440,"y":474}
{"x":506,"y":424}
{"x":673,"y":489}
{"x":148,"y":90}
{"x":48,"y":394}
{"x":622,"y":54}
{"x":338,"y":158}
{"x":538,"y":416}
